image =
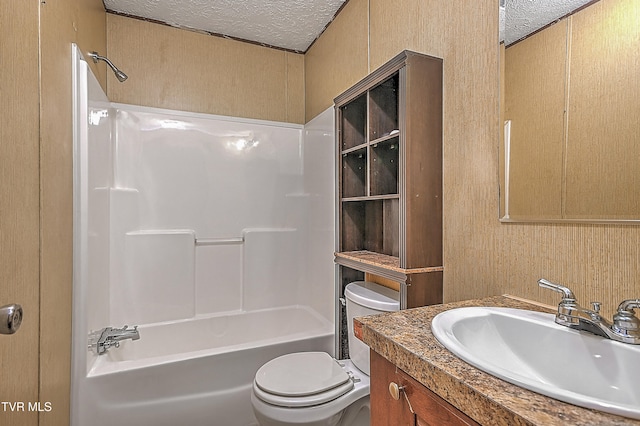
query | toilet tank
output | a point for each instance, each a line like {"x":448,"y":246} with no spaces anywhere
{"x":366,"y":298}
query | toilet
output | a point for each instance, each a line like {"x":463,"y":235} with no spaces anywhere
{"x":314,"y":389}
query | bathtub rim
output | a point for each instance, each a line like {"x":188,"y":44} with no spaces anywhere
{"x":104,"y":365}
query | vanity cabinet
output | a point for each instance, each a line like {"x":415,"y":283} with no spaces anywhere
{"x":428,"y":408}
{"x":389,"y":180}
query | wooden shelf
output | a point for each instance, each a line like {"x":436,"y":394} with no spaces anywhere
{"x":385,"y":138}
{"x":389,"y":129}
{"x":389,"y":178}
{"x":368,"y":260}
{"x":371,"y":198}
{"x":354,"y":148}
{"x":418,"y":286}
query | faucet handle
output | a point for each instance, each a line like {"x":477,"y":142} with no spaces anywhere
{"x":625,"y":321}
{"x":567,"y":307}
{"x":629,"y":305}
{"x":109,"y":343}
{"x":596,"y":306}
{"x":567,"y":294}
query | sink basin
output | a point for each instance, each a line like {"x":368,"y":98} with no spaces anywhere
{"x":530,"y":350}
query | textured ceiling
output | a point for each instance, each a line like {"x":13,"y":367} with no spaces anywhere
{"x":295,"y":24}
{"x":288,"y":24}
{"x":522,"y":17}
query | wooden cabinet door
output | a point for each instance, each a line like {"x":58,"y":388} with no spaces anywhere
{"x":386,"y":411}
{"x":416,"y":405}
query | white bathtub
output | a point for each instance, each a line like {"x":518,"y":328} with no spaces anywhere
{"x":196,"y":372}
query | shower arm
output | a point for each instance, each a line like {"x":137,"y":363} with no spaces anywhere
{"x":119,"y":74}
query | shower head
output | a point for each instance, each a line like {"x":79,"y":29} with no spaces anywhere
{"x":119,"y":74}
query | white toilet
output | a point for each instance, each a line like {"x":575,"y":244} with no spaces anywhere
{"x":312,"y":388}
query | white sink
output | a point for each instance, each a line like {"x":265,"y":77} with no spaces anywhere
{"x":530,"y":350}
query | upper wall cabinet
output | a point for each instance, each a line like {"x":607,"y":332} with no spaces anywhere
{"x":389,"y":166}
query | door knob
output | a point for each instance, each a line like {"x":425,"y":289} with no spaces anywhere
{"x":10,"y":318}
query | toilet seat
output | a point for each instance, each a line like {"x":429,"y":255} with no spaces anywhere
{"x":301,"y":379}
{"x":303,"y":401}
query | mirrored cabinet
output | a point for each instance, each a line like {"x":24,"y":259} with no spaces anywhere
{"x":389,"y":179}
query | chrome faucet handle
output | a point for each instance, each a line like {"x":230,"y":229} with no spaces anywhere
{"x":596,"y":307}
{"x":567,"y":308}
{"x":109,"y":343}
{"x":567,"y":294}
{"x":629,"y":305}
{"x":625,"y":322}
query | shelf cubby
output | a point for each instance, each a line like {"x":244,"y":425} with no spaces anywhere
{"x":383,"y":108}
{"x":354,"y":123}
{"x":354,"y":173}
{"x":385,"y":158}
{"x":371,"y":225}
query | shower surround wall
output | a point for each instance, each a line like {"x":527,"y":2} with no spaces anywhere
{"x":215,"y":235}
{"x":209,"y":215}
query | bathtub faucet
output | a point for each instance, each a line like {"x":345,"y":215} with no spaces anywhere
{"x":101,"y":340}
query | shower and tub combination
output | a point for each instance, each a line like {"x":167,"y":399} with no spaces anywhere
{"x":202,"y":249}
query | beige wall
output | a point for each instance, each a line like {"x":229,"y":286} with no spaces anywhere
{"x":36,"y":189}
{"x":338,"y":59}
{"x":482,"y":256}
{"x":184,"y":70}
{"x":61,"y":23}
{"x":19,"y":195}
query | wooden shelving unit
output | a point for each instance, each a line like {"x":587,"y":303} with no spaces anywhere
{"x":389,"y":179}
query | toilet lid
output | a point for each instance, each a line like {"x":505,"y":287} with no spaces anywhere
{"x":303,"y":401}
{"x":301,"y":374}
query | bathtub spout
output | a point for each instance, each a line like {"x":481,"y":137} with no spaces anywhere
{"x":124,"y":333}
{"x":104,"y":339}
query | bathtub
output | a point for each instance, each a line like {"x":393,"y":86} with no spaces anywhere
{"x":196,"y":372}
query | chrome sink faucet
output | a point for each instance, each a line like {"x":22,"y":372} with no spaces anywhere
{"x":624,"y":328}
{"x":101,"y":340}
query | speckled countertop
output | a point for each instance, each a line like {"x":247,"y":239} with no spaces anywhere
{"x":405,"y":339}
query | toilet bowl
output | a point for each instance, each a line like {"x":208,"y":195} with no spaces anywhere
{"x":314,"y":389}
